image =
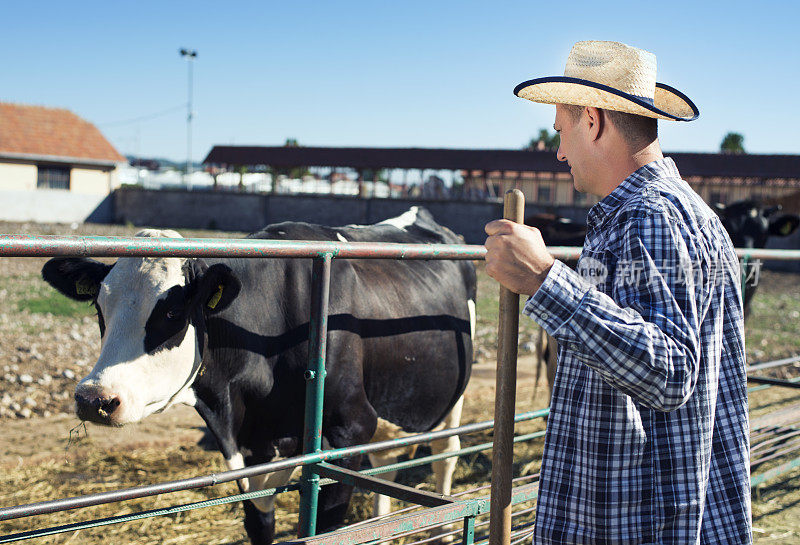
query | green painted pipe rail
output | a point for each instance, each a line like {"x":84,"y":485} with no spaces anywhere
{"x":13,"y":245}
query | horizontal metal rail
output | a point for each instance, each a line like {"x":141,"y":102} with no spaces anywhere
{"x":785,"y":383}
{"x":118,"y":519}
{"x":40,"y":508}
{"x":771,"y":364}
{"x":12,"y":245}
{"x":756,"y":480}
{"x":383,"y":529}
{"x":100,"y":246}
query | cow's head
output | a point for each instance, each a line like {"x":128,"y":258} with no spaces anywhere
{"x":151,"y":313}
{"x":750,"y":224}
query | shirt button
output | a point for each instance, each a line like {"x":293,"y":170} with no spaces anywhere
{"x":545,"y":316}
{"x":573,"y":347}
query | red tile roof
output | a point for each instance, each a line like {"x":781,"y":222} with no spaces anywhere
{"x":53,"y":132}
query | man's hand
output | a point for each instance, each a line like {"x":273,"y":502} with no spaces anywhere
{"x":516,"y":256}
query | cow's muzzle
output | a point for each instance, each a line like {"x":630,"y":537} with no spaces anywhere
{"x":96,"y":405}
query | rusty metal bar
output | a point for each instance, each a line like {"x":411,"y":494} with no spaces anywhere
{"x":382,"y":486}
{"x":315,"y":391}
{"x":12,"y":245}
{"x":379,"y":530}
{"x":773,"y":363}
{"x":101,"y":246}
{"x":505,"y":395}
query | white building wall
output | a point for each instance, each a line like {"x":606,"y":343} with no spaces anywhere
{"x":90,"y":181}
{"x":17,"y":177}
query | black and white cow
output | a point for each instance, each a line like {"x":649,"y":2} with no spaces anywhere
{"x":750,"y":225}
{"x":230,"y":337}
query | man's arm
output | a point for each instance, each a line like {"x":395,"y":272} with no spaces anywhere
{"x":644,"y":341}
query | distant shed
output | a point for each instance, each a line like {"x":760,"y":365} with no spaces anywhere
{"x":489,"y":172}
{"x":54,"y":166}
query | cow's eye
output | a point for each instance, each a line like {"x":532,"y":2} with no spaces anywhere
{"x":173,"y":314}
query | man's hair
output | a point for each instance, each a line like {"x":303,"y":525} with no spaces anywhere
{"x":635,"y":129}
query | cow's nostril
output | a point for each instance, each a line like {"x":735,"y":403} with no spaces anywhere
{"x":96,"y":408}
{"x":108,"y":406}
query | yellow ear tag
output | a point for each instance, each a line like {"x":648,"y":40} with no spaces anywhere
{"x":85,"y":286}
{"x":214,"y":301}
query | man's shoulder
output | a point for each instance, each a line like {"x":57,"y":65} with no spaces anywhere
{"x":667,"y":199}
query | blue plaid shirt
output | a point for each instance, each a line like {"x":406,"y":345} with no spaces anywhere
{"x":647,"y":439}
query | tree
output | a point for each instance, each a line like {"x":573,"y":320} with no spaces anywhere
{"x":545,"y":141}
{"x":291,"y":143}
{"x":733,"y":142}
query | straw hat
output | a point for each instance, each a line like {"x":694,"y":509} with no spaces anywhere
{"x":613,"y":76}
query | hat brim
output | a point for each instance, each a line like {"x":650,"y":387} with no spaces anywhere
{"x":668,"y":103}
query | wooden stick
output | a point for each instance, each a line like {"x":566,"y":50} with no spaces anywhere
{"x":505,"y":396}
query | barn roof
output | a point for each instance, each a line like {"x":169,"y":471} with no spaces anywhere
{"x":690,"y":164}
{"x":42,"y":133}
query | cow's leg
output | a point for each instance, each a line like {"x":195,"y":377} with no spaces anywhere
{"x":443,"y":469}
{"x":260,"y":526}
{"x":383,"y":504}
{"x":259,"y":513}
{"x":334,"y":499}
{"x":359,"y":428}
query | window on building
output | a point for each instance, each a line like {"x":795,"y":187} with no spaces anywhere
{"x":543,"y":194}
{"x":52,"y":177}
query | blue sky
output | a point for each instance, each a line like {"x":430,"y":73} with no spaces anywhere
{"x":425,"y":74}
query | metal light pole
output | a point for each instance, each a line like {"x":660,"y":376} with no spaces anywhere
{"x":189,"y":55}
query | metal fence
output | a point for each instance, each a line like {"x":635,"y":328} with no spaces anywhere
{"x":441,"y":510}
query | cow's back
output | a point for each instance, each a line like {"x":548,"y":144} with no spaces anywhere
{"x":398,"y":329}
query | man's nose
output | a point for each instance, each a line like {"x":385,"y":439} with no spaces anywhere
{"x":560,"y":155}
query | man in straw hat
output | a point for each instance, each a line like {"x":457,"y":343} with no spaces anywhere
{"x":647,"y":439}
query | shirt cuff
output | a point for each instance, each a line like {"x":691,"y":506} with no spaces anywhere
{"x":557,"y":299}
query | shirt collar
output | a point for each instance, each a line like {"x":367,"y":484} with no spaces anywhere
{"x":633,"y":184}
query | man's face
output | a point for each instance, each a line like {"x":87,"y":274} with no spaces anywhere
{"x":572,"y":148}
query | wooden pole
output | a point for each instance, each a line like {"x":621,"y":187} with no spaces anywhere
{"x":505,"y":396}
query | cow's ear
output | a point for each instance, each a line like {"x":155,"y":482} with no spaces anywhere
{"x":78,"y":278}
{"x":215,"y":288}
{"x":784,"y":225}
{"x":719,"y":208}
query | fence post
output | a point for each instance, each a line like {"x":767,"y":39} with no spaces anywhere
{"x":743,"y":264}
{"x":315,"y":390}
{"x":468,"y":538}
{"x":505,"y":396}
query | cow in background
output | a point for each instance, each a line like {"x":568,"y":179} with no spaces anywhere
{"x":750,"y":225}
{"x":230,"y":337}
{"x":556,"y":231}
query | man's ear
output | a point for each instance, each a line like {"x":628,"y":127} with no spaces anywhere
{"x":78,"y":278}
{"x":214,"y":288}
{"x":596,"y":121}
{"x":784,"y":225}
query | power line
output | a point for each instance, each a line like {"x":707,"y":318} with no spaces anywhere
{"x":144,"y":117}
